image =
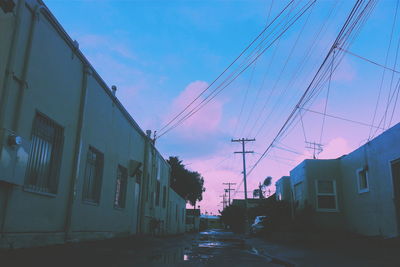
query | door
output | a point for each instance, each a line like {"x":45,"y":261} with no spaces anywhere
{"x":396,"y":190}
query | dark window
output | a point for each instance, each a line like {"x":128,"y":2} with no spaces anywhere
{"x":45,"y":155}
{"x":93,"y":175}
{"x":164,"y":200}
{"x":362,"y":180}
{"x":158,"y":193}
{"x":121,"y":187}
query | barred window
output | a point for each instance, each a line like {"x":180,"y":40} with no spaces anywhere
{"x":93,"y":175}
{"x":121,"y":187}
{"x":44,"y":156}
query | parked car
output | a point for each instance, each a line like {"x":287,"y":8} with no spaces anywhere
{"x":258,"y":225}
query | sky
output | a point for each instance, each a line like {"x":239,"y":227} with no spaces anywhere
{"x":162,"y":54}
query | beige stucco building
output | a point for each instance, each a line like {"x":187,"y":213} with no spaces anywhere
{"x":74,"y":164}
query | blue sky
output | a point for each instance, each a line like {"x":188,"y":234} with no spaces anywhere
{"x":161,"y":54}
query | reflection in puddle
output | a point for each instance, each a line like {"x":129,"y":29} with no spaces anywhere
{"x":170,"y":256}
{"x":210,"y":245}
{"x":207,"y":246}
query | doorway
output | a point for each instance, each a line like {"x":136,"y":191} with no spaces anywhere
{"x":396,"y":190}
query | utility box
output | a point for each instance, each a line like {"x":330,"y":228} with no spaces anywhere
{"x":14,"y":154}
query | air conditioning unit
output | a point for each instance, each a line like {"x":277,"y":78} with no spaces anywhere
{"x":14,"y":153}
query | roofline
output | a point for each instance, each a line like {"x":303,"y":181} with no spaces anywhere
{"x":57,"y":26}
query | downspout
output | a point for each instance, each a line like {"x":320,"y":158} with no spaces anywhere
{"x":10,"y":64}
{"x":5,"y":94}
{"x":142,"y":190}
{"x":77,"y":154}
{"x":22,"y":81}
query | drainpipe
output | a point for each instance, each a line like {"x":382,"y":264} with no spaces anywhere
{"x":10,"y":74}
{"x":22,"y":81}
{"x":10,"y":63}
{"x":77,"y":153}
{"x":140,"y":217}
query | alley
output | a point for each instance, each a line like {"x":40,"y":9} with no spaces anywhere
{"x":213,"y":247}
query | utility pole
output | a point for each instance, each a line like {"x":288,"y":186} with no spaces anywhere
{"x":229,"y":191}
{"x":244,"y":152}
{"x":223,"y":201}
{"x":315,"y":147}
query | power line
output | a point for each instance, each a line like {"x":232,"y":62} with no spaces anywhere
{"x":218,"y":90}
{"x":227,"y":68}
{"x":344,"y":34}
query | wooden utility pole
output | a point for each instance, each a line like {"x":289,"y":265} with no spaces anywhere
{"x":244,"y":152}
{"x":229,"y":189}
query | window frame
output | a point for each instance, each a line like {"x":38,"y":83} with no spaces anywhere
{"x":359,"y":189}
{"x":85,"y":198}
{"x":122,"y":174}
{"x":334,"y":194}
{"x":51,"y":188}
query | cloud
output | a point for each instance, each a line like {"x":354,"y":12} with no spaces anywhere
{"x":335,"y":148}
{"x":204,"y":122}
{"x":106,"y":43}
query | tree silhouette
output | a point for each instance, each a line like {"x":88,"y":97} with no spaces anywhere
{"x":260,"y":191}
{"x":188,"y":184}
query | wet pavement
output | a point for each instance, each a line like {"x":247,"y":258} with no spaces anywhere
{"x":214,"y":247}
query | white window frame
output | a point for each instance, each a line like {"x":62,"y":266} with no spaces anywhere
{"x":317,"y":194}
{"x":359,"y":189}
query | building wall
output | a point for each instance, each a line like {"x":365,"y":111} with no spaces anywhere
{"x":324,"y":170}
{"x":372,"y":212}
{"x":283,"y":189}
{"x":368,"y":212}
{"x":176,"y":214}
{"x":51,"y":76}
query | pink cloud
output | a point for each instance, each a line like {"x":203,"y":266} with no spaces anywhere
{"x":204,"y":122}
{"x":335,"y":148}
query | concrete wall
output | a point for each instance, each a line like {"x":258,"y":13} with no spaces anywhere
{"x":48,"y":74}
{"x":176,"y":213}
{"x":324,"y":170}
{"x":367,"y":212}
{"x":372,"y":212}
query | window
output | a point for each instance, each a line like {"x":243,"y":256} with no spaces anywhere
{"x":121,"y":187}
{"x":326,"y":195}
{"x":362,"y":180}
{"x":164,"y":200}
{"x":93,"y":176}
{"x":45,"y":155}
{"x":298,"y":193}
{"x":158,"y":193}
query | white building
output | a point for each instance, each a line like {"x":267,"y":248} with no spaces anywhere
{"x":358,"y":192}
